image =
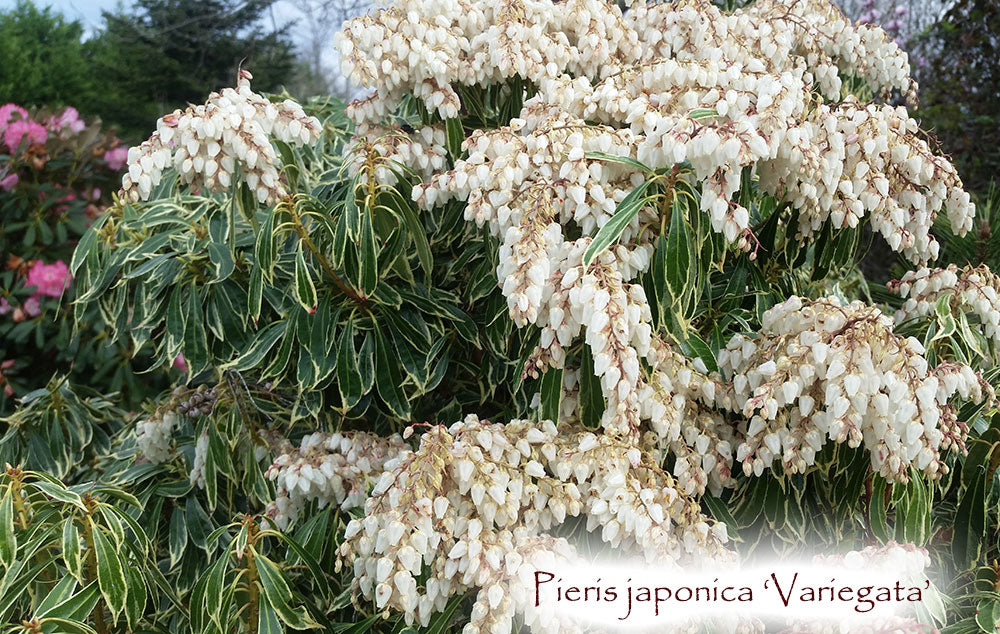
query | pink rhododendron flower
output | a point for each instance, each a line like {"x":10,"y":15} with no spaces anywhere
{"x":4,"y":306}
{"x":65,"y":199}
{"x":32,"y":306}
{"x":180,"y":363}
{"x":116,"y":158}
{"x":17,"y":131}
{"x":7,"y":182}
{"x":49,"y":279}
{"x":70,"y":118}
{"x":7,"y":111}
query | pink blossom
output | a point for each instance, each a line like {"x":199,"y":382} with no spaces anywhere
{"x":32,"y":306}
{"x":8,"y":182}
{"x":116,"y":158}
{"x":70,"y":118}
{"x":49,"y":279}
{"x":180,"y":363}
{"x":7,"y":111}
{"x":65,"y":199}
{"x":18,"y":130}
{"x":4,"y":306}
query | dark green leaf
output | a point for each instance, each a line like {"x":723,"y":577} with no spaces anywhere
{"x":389,"y":378}
{"x":178,"y":535}
{"x":8,"y":539}
{"x":110,"y":572}
{"x":305,"y":289}
{"x":551,"y":393}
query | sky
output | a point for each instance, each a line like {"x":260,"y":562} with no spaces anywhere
{"x":89,"y":11}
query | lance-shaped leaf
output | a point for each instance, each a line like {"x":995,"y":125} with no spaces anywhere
{"x":71,"y":552}
{"x":277,"y":592}
{"x":8,"y":539}
{"x":551,"y":393}
{"x":456,"y":135}
{"x":701,"y":349}
{"x":591,"y":396}
{"x":626,"y":211}
{"x":86,"y":244}
{"x":178,"y":535}
{"x":305,"y":289}
{"x":678,"y":256}
{"x":110,"y":572}
{"x":368,"y":263}
{"x":970,"y":520}
{"x":348,"y":372}
{"x":621,"y":160}
{"x":261,"y":345}
{"x":389,"y":377}
{"x":255,"y":294}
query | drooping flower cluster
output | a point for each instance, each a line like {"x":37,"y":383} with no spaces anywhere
{"x":330,"y":468}
{"x":154,"y":436}
{"x":206,"y":144}
{"x":478,"y":502}
{"x":824,"y":370}
{"x":383,"y":150}
{"x":704,"y":99}
{"x":677,"y":400}
{"x":197,"y":475}
{"x":969,"y":289}
{"x":754,"y":87}
{"x":905,"y":563}
{"x":425,"y":47}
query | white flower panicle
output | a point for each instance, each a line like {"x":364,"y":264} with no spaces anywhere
{"x":778,"y":35}
{"x":677,"y":400}
{"x":906,"y":562}
{"x":197,"y":475}
{"x":970,"y":290}
{"x":380,"y":152}
{"x":209,"y":144}
{"x":473,"y":508}
{"x":708,"y":99}
{"x":751,"y":75}
{"x":425,"y":47}
{"x":822,"y":370}
{"x":329,"y":468}
{"x":154,"y":436}
{"x":668,"y":84}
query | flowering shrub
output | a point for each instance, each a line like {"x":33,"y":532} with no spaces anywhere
{"x":55,"y":180}
{"x":618,"y":248}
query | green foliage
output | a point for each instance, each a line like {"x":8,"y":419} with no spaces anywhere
{"x":42,"y":58}
{"x":340,"y":293}
{"x":53,"y":192}
{"x":157,"y":55}
{"x":956,"y":64}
